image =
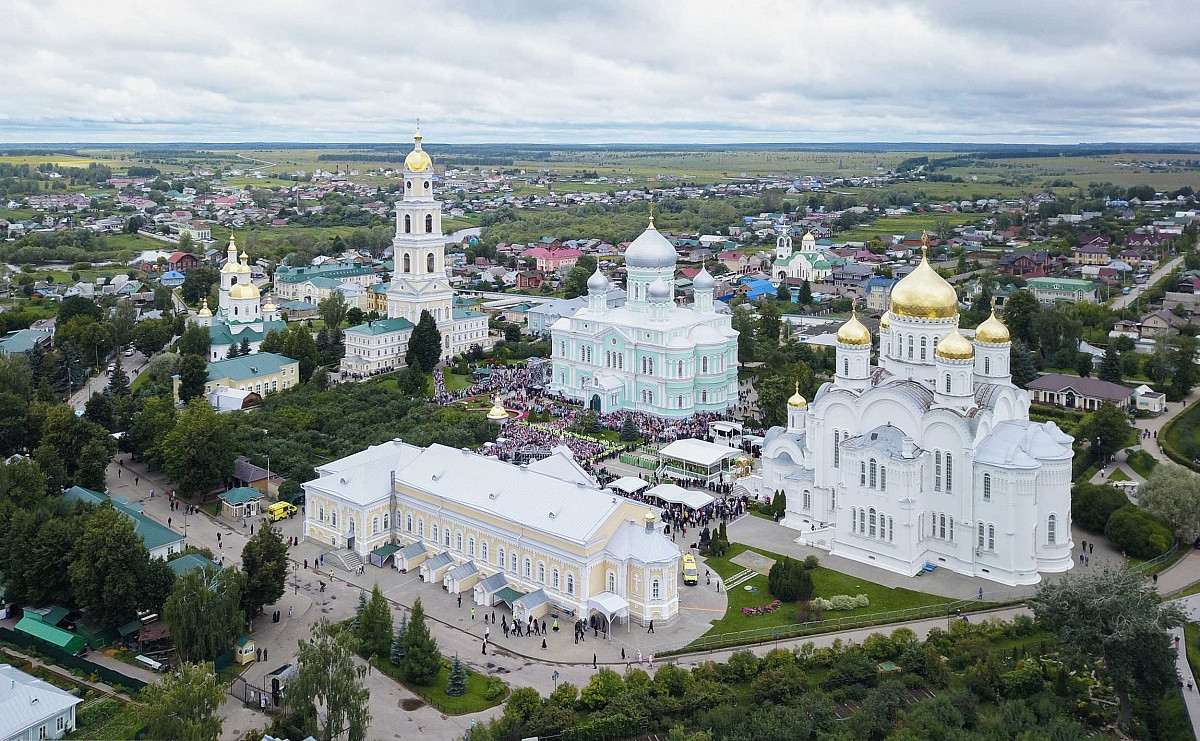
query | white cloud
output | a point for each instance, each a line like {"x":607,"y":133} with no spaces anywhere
{"x":949,"y":70}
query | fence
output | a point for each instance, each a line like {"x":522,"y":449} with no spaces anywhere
{"x":253,"y":696}
{"x":109,"y":676}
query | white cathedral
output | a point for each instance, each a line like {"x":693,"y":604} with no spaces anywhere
{"x":648,"y":355}
{"x":239,"y":315}
{"x":929,"y":458}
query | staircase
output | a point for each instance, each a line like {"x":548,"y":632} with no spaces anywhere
{"x":748,"y":486}
{"x":346,"y":560}
{"x":740,"y":578}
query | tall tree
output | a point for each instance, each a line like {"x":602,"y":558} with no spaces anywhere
{"x":118,"y":382}
{"x":1020,"y":311}
{"x":121,"y":323}
{"x":769,"y":324}
{"x":1172,"y":493}
{"x":332,"y":309}
{"x":198,"y":452}
{"x":185,"y":704}
{"x":1182,"y":361}
{"x":93,"y":464}
{"x":422,"y":662}
{"x":425,"y":344}
{"x":1110,"y":368}
{"x":265,"y":562}
{"x":204,"y":612}
{"x":575,"y":284}
{"x":1021,"y":364}
{"x":805,"y":297}
{"x":101,"y":410}
{"x":1113,"y":617}
{"x":1108,"y":429}
{"x":375,"y":626}
{"x":300,"y":346}
{"x":105,"y":565}
{"x":273,"y":342}
{"x":328,"y":680}
{"x":193,"y":375}
{"x":195,"y":340}
{"x":149,"y":428}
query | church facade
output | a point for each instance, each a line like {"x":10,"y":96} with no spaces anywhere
{"x":649,"y":355}
{"x":928,"y":458}
{"x":240,"y":317}
{"x":808,"y":264}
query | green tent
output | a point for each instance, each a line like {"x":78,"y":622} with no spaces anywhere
{"x":57,"y":637}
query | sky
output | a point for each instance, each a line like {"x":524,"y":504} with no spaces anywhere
{"x":1055,"y":71}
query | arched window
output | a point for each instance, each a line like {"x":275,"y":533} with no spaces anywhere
{"x":571,"y":584}
{"x":407,"y":224}
{"x":987,"y":365}
{"x":458,"y":542}
{"x":407,"y":522}
{"x":541,"y":573}
{"x":333,"y":517}
{"x":1051,"y":529}
{"x":612,"y":582}
{"x":923,"y":341}
{"x":446,"y":537}
{"x":554,"y":579}
{"x":942,"y":526}
{"x":853,"y":519}
{"x":987,"y":487}
{"x":321,"y":513}
{"x":862,"y":473}
{"x":483,"y":552}
{"x":949,"y":473}
{"x":374,"y":526}
{"x":704,"y":364}
{"x":837,"y":451}
{"x":528,"y":568}
{"x":420,"y":528}
{"x":428,"y":223}
{"x":429,"y":263}
{"x":407,"y":264}
{"x":426,"y":185}
{"x":471,"y":547}
{"x":883,"y":478}
{"x":500,"y":558}
{"x":807,"y":499}
{"x":991,"y":537}
{"x":512,"y":563}
{"x":387,"y":521}
{"x":951,"y":528}
{"x":937,"y":470}
{"x":862,"y":520}
{"x":871,"y":520}
{"x":655,"y":589}
{"x":932,"y":524}
{"x":434,"y":532}
{"x":947,"y":383}
{"x":980,"y":546}
{"x":910,"y":347}
{"x":891,"y":530}
{"x":874,"y":474}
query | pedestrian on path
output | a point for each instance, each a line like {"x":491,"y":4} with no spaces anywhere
{"x":460,"y":599}
{"x":472,"y":609}
{"x":543,"y":643}
{"x":485,"y":647}
{"x":487,"y":633}
{"x":289,"y":611}
{"x":594,"y":662}
{"x":137,"y":480}
{"x":651,"y":629}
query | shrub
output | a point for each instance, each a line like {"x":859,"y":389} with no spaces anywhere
{"x":853,"y":668}
{"x":1024,"y":681}
{"x":494,"y":689}
{"x":1093,"y":504}
{"x":841,"y":602}
{"x":1137,"y":533}
{"x":811,"y":562}
{"x":789,"y":581}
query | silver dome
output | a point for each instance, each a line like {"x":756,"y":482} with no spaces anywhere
{"x":651,"y":250}
{"x":703,"y":281}
{"x":659,"y":291}
{"x":597,"y":282}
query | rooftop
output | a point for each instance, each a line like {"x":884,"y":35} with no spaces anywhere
{"x":245,"y":367}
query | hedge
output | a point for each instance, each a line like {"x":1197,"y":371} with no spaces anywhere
{"x":1136,"y":532}
{"x":1093,"y":504}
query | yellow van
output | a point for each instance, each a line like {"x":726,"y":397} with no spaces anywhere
{"x":690,"y":574}
{"x":280,"y":510}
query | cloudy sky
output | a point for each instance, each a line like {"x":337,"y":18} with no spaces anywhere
{"x":595,"y":71}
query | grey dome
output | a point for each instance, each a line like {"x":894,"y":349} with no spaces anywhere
{"x":703,"y":281}
{"x":651,"y":250}
{"x":597,"y":282}
{"x":659,"y":291}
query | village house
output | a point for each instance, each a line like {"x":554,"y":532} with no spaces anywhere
{"x":1073,"y":392}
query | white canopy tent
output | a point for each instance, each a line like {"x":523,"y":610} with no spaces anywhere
{"x":678,"y":495}
{"x":629,"y":484}
{"x":612,"y":606}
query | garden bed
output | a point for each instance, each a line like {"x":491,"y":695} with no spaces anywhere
{"x":473,"y":701}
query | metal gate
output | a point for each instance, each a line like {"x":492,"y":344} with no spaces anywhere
{"x":255,"y":697}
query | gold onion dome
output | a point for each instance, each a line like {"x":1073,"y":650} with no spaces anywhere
{"x":797,"y":401}
{"x":853,"y":332}
{"x":244,"y":290}
{"x":992,"y":331}
{"x":269,"y":306}
{"x":418,"y":160}
{"x":923,"y":294}
{"x":955,"y":347}
{"x":886,"y":321}
{"x":204,"y":310}
{"x":497,"y":412}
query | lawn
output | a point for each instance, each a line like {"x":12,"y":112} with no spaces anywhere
{"x":903,"y":225}
{"x":474,"y":701}
{"x":1191,"y":637}
{"x":1119,"y":475}
{"x":107,"y":718}
{"x":1142,"y":462}
{"x":827,"y":583}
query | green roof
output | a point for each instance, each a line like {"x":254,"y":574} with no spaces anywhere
{"x":63,"y":639}
{"x":245,"y":367}
{"x":299,"y":275}
{"x":1069,"y":284}
{"x":22,"y":340}
{"x":219,"y":334}
{"x":381,"y":326}
{"x":466,"y":313}
{"x":509,"y":595}
{"x":190,"y":562}
{"x":129,"y":628}
{"x":385,"y":550}
{"x":51,"y":615}
{"x":153,"y":534}
{"x":243,"y":641}
{"x":240,"y":495}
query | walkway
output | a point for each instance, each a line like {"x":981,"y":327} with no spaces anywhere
{"x":1191,"y":691}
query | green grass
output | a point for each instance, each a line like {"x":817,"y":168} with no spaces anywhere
{"x":904,"y":224}
{"x":1142,"y":462}
{"x":827,"y":583}
{"x":1119,"y":475}
{"x":473,"y":701}
{"x":108,"y":718}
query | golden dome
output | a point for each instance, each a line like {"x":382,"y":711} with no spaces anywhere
{"x":955,"y":347}
{"x":853,"y":332}
{"x":269,"y":306}
{"x":204,"y":310}
{"x":417,"y":160}
{"x":993,"y":331}
{"x":797,"y":401}
{"x":886,"y":321}
{"x":244,"y":290}
{"x":497,"y":412}
{"x":923,"y":294}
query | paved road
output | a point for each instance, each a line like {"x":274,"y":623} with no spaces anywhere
{"x":133,"y":366}
{"x":1120,"y":302}
{"x":1191,"y":692}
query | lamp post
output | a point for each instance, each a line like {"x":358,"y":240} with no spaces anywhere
{"x":554,"y":676}
{"x":296,"y":576}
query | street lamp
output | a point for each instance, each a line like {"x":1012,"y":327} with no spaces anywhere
{"x":554,"y":676}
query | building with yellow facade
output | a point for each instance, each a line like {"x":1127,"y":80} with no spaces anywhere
{"x":537,"y":537}
{"x":231,"y":382}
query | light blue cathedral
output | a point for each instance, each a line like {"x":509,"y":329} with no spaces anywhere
{"x":649,"y":355}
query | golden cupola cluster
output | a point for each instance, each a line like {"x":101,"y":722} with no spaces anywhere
{"x":955,"y":347}
{"x":418,"y":159}
{"x":993,"y":331}
{"x":853,"y":332}
{"x":923,"y":294}
{"x":797,"y":401}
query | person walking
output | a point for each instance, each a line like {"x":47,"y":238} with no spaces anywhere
{"x":594,"y":666}
{"x":460,"y":599}
{"x":543,"y":644}
{"x":651,"y":629}
{"x":485,"y":647}
{"x":472,"y":609}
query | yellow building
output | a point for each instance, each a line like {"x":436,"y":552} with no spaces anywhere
{"x":540,"y":536}
{"x":260,"y":373}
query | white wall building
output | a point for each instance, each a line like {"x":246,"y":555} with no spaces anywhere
{"x":543,"y":530}
{"x":929,"y":457}
{"x":32,"y":709}
{"x":808,"y":264}
{"x":240,"y":314}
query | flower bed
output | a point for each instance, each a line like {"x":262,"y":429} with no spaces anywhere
{"x":764,"y":610}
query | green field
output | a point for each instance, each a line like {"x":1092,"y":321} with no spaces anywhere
{"x":473,"y":701}
{"x":903,"y":225}
{"x":827,"y":582}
